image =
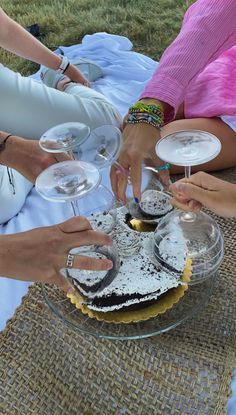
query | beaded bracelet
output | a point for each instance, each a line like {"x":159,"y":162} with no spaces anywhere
{"x":143,"y":117}
{"x":146,"y":113}
{"x":149,"y":108}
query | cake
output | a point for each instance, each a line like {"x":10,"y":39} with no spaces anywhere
{"x":137,"y":281}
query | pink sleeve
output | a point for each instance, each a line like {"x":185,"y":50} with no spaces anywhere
{"x":205,"y":32}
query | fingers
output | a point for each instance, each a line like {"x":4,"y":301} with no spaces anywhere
{"x":89,"y":263}
{"x":119,"y":175}
{"x":60,"y":281}
{"x":63,"y":157}
{"x":88,"y":237}
{"x":78,"y":232}
{"x":114,"y":180}
{"x":75,"y":224}
{"x":189,"y":206}
{"x":190,"y":191}
{"x":165,"y":178}
{"x":136,"y":179}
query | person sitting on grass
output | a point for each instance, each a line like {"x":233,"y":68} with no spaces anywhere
{"x":193,"y":88}
{"x":29,"y":108}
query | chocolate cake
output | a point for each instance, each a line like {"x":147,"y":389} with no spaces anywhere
{"x":138,"y":280}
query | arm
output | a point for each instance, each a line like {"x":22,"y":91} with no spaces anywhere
{"x":203,"y":189}
{"x":17,"y":40}
{"x":206,"y":33}
{"x":38,"y":255}
{"x":17,"y":150}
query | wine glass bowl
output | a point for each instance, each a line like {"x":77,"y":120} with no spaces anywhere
{"x":102,"y":146}
{"x":154,"y":202}
{"x":201,"y":241}
{"x":64,"y":137}
{"x":188,"y":148}
{"x":67,"y":180}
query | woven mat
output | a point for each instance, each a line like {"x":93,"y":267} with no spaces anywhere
{"x":47,"y":368}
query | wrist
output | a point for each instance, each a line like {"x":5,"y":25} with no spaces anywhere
{"x":164,"y":106}
{"x":11,"y":152}
{"x":5,"y":255}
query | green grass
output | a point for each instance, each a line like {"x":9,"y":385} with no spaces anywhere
{"x":151,"y":26}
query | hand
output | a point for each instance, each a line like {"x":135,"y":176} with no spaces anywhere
{"x":28,"y":158}
{"x":76,"y":75}
{"x":38,"y":255}
{"x":203,"y":189}
{"x":139,"y":144}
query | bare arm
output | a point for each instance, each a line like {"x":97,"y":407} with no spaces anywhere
{"x":17,"y":40}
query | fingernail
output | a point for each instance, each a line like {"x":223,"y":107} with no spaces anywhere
{"x":109,"y":264}
{"x":136,"y":200}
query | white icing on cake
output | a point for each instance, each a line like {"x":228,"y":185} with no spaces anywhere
{"x":138,"y":275}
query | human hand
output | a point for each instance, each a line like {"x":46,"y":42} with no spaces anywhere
{"x":28,"y":158}
{"x":139,"y":145}
{"x":39,"y":255}
{"x":202,"y":189}
{"x":76,"y":75}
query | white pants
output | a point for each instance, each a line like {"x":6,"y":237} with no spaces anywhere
{"x":29,"y":108}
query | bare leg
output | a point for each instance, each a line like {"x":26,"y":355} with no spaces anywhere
{"x":227,"y":156}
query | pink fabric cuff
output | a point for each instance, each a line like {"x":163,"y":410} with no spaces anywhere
{"x":165,"y":89}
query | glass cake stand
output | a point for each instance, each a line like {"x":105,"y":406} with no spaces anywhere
{"x":194,"y":299}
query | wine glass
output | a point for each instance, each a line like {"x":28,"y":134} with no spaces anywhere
{"x":102,"y":147}
{"x":195,"y":234}
{"x":64,"y":137}
{"x":188,"y":148}
{"x":99,"y":147}
{"x":155,"y":200}
{"x":68,"y":181}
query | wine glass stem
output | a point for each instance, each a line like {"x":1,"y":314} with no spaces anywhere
{"x":187,"y":171}
{"x":75,"y":208}
{"x":188,"y":216}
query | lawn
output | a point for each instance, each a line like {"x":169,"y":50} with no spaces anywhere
{"x":151,"y":26}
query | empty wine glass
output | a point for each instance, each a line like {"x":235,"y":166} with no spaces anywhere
{"x":189,"y":236}
{"x":188,"y":148}
{"x":99,"y":147}
{"x":102,"y":147}
{"x":64,"y":138}
{"x":154,"y":202}
{"x":68,"y":181}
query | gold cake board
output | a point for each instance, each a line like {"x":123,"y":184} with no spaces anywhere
{"x":47,"y":368}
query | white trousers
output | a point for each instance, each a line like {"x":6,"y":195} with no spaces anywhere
{"x":29,"y":108}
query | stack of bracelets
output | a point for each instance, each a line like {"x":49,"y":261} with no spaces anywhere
{"x":146,"y":113}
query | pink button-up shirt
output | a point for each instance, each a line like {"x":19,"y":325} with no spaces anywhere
{"x":209,"y":29}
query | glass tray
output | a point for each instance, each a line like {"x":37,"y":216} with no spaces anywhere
{"x":194,"y":299}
